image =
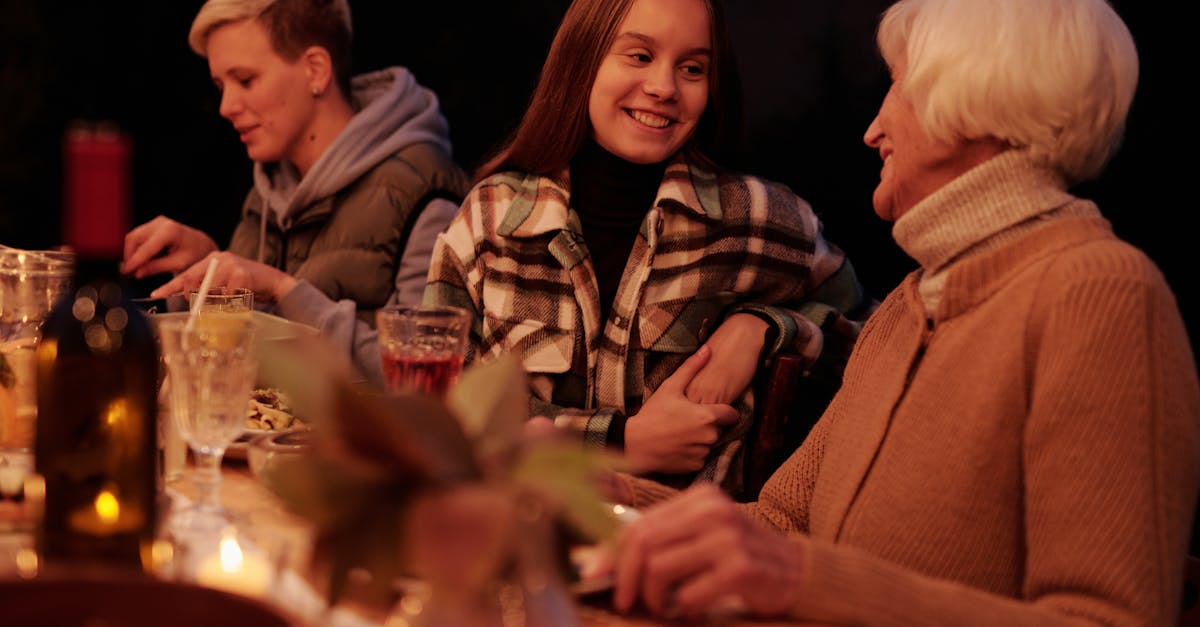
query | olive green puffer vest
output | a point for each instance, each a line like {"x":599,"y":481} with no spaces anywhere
{"x":349,"y":244}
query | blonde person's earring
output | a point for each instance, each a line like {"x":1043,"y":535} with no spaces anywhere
{"x":316,"y":91}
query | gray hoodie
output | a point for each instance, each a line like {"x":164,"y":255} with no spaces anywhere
{"x":393,"y":112}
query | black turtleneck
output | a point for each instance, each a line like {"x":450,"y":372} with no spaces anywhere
{"x":611,"y":196}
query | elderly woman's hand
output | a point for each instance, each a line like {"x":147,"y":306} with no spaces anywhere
{"x":736,"y":346}
{"x":179,"y":246}
{"x":698,"y":555}
{"x":268,"y":284}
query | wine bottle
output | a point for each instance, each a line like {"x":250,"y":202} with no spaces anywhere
{"x":97,"y":369}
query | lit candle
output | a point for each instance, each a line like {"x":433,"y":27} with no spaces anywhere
{"x":235,"y":570}
{"x":106,"y":516}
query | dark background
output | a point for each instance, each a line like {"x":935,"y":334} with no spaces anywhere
{"x":812,"y":82}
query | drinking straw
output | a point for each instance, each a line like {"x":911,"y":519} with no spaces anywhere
{"x":204,"y":285}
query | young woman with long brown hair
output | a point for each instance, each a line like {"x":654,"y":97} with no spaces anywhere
{"x":606,"y":244}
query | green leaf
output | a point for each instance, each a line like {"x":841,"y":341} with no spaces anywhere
{"x":307,"y":369}
{"x":491,"y":401}
{"x":564,"y":473}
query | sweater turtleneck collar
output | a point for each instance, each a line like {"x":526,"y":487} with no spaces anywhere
{"x":989,"y":206}
{"x":979,"y":205}
{"x":606,"y":189}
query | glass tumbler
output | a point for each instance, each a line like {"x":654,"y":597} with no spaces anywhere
{"x":422,"y":348}
{"x":225,"y":300}
{"x":31,"y":282}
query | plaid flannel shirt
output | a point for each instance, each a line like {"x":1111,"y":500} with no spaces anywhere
{"x":711,"y":245}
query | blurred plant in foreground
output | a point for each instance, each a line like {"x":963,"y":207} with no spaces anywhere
{"x":451,"y":492}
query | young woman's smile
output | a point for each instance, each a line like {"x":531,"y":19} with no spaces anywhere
{"x":652,"y":87}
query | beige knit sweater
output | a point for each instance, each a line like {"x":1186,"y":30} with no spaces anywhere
{"x":1028,"y":454}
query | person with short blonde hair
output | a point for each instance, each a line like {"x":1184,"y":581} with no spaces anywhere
{"x":292,"y":26}
{"x":353,"y":178}
{"x":1017,"y":437}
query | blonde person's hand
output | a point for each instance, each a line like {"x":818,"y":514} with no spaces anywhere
{"x":671,"y":433}
{"x":163,"y":245}
{"x":268,"y":284}
{"x":736,"y":346}
{"x":697,"y":555}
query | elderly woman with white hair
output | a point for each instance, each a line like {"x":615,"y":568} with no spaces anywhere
{"x":1017,"y":438}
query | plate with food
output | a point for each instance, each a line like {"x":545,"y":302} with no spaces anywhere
{"x":269,"y":410}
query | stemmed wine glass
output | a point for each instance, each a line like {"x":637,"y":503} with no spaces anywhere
{"x":210,"y":372}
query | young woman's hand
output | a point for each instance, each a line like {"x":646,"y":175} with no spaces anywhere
{"x":736,"y":346}
{"x":697,"y":555}
{"x":164,"y":245}
{"x":671,"y":433}
{"x":269,"y":284}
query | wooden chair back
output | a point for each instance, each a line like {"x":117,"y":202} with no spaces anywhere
{"x":787,"y":405}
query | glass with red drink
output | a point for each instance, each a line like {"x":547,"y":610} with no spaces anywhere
{"x":421,"y":348}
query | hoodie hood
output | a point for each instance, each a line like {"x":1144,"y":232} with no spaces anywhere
{"x":393,"y":111}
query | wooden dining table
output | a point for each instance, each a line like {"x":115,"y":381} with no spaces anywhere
{"x":261,"y":519}
{"x":256,"y":509}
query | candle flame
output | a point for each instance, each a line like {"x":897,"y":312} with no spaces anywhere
{"x":47,"y":349}
{"x":27,"y":563}
{"x":116,"y":412}
{"x":108,"y":508}
{"x":162,"y":555}
{"x":231,"y":555}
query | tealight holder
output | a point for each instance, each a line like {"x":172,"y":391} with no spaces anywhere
{"x":226,"y":560}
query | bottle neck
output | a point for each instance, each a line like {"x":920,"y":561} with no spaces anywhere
{"x":97,"y":159}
